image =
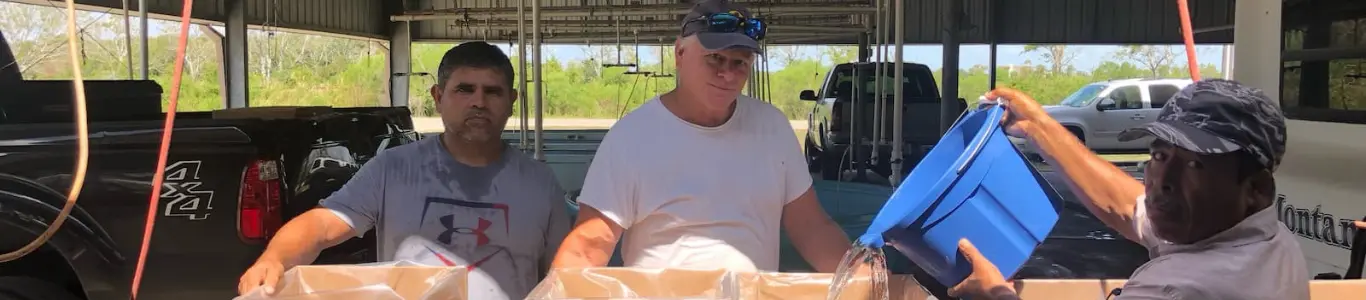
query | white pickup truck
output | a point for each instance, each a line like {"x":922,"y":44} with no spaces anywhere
{"x":1098,"y":112}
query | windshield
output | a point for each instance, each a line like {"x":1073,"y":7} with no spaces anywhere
{"x":1083,"y":96}
{"x":913,"y":82}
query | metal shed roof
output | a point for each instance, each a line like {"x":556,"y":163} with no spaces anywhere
{"x":792,"y":21}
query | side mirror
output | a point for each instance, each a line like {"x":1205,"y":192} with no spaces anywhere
{"x":1106,"y":104}
{"x":808,"y":95}
{"x":1143,"y":166}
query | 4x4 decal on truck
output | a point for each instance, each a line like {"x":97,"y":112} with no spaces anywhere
{"x":181,"y":187}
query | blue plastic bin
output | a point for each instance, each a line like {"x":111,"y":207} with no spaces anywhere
{"x":973,"y":184}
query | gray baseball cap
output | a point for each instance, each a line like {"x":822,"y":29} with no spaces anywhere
{"x":695,"y":24}
{"x":1217,"y":116}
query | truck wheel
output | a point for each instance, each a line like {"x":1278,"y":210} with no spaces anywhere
{"x":28,"y":288}
{"x":812,"y":156}
{"x":831,"y":167}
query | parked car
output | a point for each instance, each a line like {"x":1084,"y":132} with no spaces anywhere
{"x":1096,"y":113}
{"x":843,"y":115}
{"x":231,"y":180}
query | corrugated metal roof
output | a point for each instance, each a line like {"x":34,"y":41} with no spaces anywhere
{"x":1018,"y":21}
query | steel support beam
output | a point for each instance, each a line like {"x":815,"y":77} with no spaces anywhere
{"x":898,"y":103}
{"x":521,"y":73}
{"x":400,"y":63}
{"x":657,"y":22}
{"x":235,"y":58}
{"x":142,"y":18}
{"x":992,"y":27}
{"x":864,"y":51}
{"x":629,"y":11}
{"x":948,"y":106}
{"x":1257,"y":45}
{"x":219,"y":46}
{"x":536,"y":16}
{"x":665,"y":27}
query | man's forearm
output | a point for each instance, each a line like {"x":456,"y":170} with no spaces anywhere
{"x":302,"y":238}
{"x":822,"y":244}
{"x":295,"y":244}
{"x":589,"y":244}
{"x":576,"y":254}
{"x":1108,"y":192}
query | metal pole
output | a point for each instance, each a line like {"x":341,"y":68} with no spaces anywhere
{"x":521,"y":72}
{"x":886,"y":56}
{"x":948,"y":105}
{"x":1227,"y":62}
{"x":898,"y":103}
{"x":142,"y":14}
{"x":877,"y":81}
{"x":536,"y":65}
{"x":128,"y":39}
{"x":991,"y":40}
{"x":763,"y":75}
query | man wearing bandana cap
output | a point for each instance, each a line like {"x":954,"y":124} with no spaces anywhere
{"x":1204,"y":210}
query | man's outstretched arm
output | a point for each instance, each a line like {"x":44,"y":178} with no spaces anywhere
{"x":590,"y":243}
{"x":1108,"y":192}
{"x":302,"y":238}
{"x":814,"y":234}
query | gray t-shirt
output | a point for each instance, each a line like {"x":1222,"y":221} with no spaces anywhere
{"x":505,"y":220}
{"x":1256,"y":259}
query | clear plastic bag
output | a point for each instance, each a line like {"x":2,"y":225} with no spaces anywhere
{"x":678,"y":284}
{"x":633,"y":283}
{"x":400,"y":280}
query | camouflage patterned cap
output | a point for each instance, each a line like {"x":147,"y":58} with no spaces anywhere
{"x":1216,"y":116}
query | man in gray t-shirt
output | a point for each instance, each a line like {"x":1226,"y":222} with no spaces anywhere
{"x":499,"y":212}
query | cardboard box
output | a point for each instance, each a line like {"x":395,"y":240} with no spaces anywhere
{"x":379,"y":281}
{"x":633,"y":283}
{"x":815,"y":286}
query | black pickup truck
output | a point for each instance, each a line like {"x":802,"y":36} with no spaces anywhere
{"x":844,"y":115}
{"x":232,"y":178}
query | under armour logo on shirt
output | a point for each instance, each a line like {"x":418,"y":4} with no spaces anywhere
{"x":448,"y":222}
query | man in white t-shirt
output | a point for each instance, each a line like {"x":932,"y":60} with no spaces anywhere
{"x":702,"y":177}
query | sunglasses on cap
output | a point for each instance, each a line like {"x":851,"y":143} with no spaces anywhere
{"x":727,"y":23}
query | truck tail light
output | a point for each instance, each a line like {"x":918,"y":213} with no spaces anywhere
{"x":258,"y":206}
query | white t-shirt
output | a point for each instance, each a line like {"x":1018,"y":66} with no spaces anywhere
{"x":697,"y":197}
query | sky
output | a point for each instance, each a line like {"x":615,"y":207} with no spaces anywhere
{"x":930,"y":55}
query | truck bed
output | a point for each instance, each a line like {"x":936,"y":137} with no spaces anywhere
{"x":199,"y":214}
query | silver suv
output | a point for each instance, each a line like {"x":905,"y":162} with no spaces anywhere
{"x":1098,"y":112}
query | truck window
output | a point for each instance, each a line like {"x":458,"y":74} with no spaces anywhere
{"x":1324,"y":87}
{"x":1084,"y":96}
{"x":1161,"y":92}
{"x":1128,"y":97}
{"x":916,"y":81}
